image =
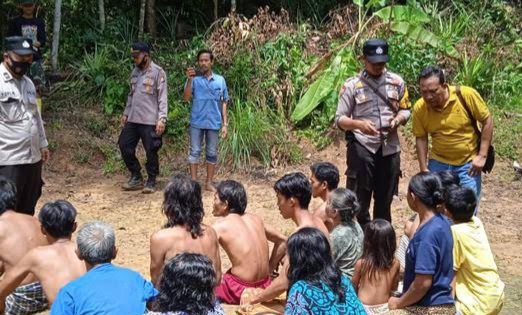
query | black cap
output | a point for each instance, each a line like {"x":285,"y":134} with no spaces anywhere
{"x":376,"y":50}
{"x":19,"y":45}
{"x":138,"y":47}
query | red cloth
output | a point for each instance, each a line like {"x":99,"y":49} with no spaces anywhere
{"x":231,"y":288}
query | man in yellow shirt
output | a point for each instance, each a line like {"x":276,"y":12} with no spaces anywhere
{"x":477,"y":285}
{"x":454,"y":142}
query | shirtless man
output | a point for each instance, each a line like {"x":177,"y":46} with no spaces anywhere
{"x":184,"y":232}
{"x":324,"y":179}
{"x":19,"y":233}
{"x":244,"y":237}
{"x":53,"y":265}
{"x":294,"y":192}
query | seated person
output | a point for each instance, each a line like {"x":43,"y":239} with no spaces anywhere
{"x":53,"y":265}
{"x":242,"y":236}
{"x":105,"y":288}
{"x":324,"y":179}
{"x":19,"y":233}
{"x":184,"y":231}
{"x":316,"y":285}
{"x":186,"y":286}
{"x":477,"y":287}
{"x":346,"y":236}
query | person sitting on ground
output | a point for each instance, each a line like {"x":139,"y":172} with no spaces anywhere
{"x":186,"y":287}
{"x":429,"y":258}
{"x":242,"y":236}
{"x":347,"y":235}
{"x":294,"y":192}
{"x":478,"y":287}
{"x":316,"y":285}
{"x":105,"y":288}
{"x":53,"y":265}
{"x":184,"y":231}
{"x":19,"y":233}
{"x":324,"y":179}
{"x":377,"y":272}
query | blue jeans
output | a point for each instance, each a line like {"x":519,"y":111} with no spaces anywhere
{"x":196,"y":144}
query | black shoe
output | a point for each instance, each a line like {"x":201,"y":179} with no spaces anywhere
{"x":135,"y":183}
{"x":150,"y":186}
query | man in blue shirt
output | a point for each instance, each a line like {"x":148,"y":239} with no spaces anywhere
{"x":209,"y":95}
{"x":105,"y":288}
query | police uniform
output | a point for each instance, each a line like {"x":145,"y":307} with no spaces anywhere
{"x":146,"y":105}
{"x":374,"y":160}
{"x":22,"y":135}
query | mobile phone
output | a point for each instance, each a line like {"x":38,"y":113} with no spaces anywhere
{"x":199,"y":72}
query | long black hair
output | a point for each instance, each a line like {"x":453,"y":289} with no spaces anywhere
{"x":379,"y":248}
{"x":428,"y":188}
{"x":187,"y":285}
{"x":183,"y":205}
{"x":311,"y":260}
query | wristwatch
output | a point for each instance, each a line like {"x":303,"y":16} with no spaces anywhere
{"x":163,"y":120}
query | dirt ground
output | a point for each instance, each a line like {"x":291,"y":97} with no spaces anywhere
{"x":135,"y":216}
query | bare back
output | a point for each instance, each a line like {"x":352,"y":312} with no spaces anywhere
{"x":244,"y":240}
{"x":378,"y":290}
{"x":320,"y":212}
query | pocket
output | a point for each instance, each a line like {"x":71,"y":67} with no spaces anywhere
{"x":148,"y":86}
{"x":11,"y":110}
{"x":156,"y":140}
{"x":363,"y":102}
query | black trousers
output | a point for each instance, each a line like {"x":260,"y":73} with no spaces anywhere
{"x":372,"y":174}
{"x":28,"y":181}
{"x":152,"y":142}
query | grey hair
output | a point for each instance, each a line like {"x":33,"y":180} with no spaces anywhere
{"x":96,"y":242}
{"x":345,"y":202}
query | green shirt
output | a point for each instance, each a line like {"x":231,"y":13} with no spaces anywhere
{"x":347,"y":246}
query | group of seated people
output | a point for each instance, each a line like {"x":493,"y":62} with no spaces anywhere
{"x":328,"y":265}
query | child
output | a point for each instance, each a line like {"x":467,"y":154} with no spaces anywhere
{"x":377,"y":272}
{"x":324,"y":179}
{"x":477,"y":285}
{"x":346,"y":234}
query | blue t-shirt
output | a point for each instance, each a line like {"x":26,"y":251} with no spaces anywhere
{"x":305,"y":298}
{"x":106,"y":289}
{"x":207,"y":98}
{"x":430,"y":252}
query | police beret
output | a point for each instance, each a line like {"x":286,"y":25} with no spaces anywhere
{"x":376,"y":50}
{"x":19,"y":45}
{"x":138,"y":47}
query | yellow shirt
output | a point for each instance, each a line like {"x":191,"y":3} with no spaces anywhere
{"x":453,"y":138}
{"x":478,"y":289}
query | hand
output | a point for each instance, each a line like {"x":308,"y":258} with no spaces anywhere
{"x":367,"y":127}
{"x":224,"y":131}
{"x":191,"y":73}
{"x":394,"y":122}
{"x":476,"y":165}
{"x":245,"y":304}
{"x":45,"y":154}
{"x":160,"y":127}
{"x":37,"y":44}
{"x":123,"y":120}
{"x":393,"y":303}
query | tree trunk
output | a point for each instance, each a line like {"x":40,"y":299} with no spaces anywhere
{"x":233,"y":5}
{"x":101,"y":11}
{"x":215,"y":10}
{"x":151,"y":18}
{"x":56,"y":33}
{"x":141,"y":23}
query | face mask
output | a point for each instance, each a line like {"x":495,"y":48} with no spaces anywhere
{"x":19,"y":67}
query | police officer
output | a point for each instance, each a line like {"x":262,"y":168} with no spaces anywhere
{"x":144,"y":118}
{"x":371,"y":107}
{"x":23,"y":144}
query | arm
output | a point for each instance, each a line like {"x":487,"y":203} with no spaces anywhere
{"x":485,"y":141}
{"x":356,"y":278}
{"x":43,"y":138}
{"x":157,"y":258}
{"x":422,"y":152}
{"x":453,"y":285}
{"x":415,"y":293}
{"x":187,"y":92}
{"x":279,"y":250}
{"x":128,"y":104}
{"x":276,"y":288}
{"x":14,"y":277}
{"x":162,"y":95}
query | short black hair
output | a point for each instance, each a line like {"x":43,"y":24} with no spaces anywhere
{"x":326,"y":172}
{"x":431,"y":71}
{"x":295,"y":185}
{"x":449,"y":180}
{"x":234,"y":194}
{"x":58,"y":218}
{"x":7,"y":195}
{"x":461,"y":202}
{"x":205,"y":51}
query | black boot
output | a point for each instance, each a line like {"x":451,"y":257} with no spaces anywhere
{"x":150,"y":186}
{"x":135,"y":182}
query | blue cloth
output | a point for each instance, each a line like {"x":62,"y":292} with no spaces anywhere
{"x":106,"y":289}
{"x":430,"y":252}
{"x":305,"y":298}
{"x":196,"y":143}
{"x":207,"y":98}
{"x":473,"y":182}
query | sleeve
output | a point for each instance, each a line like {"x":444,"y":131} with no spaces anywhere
{"x":63,"y":304}
{"x":418,"y":128}
{"x":426,"y":257}
{"x":128,"y":104}
{"x":404,"y":103}
{"x":41,"y":131}
{"x":346,"y":102}
{"x":149,"y":292}
{"x":226,"y":98}
{"x":296,"y":303}
{"x":41,"y":34}
{"x":476,"y":104}
{"x":162,"y":95}
{"x":458,"y":257}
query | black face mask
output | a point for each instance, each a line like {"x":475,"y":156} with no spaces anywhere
{"x":19,"y":67}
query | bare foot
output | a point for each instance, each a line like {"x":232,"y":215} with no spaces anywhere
{"x":210,"y":187}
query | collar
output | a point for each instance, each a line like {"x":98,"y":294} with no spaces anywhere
{"x":5,"y":75}
{"x":452,"y":97}
{"x":365,"y":74}
{"x":148,"y":69}
{"x":211,"y":76}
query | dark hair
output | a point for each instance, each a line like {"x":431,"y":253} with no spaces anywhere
{"x":433,"y":71}
{"x":205,"y":51}
{"x":234,"y":194}
{"x":182,"y":204}
{"x":58,"y":218}
{"x":428,"y":188}
{"x":295,"y":185}
{"x":461,"y":202}
{"x":345,"y":202}
{"x":311,"y":261}
{"x":379,"y":247}
{"x":326,"y":172}
{"x":449,"y":180}
{"x":187,"y":285}
{"x":7,"y":195}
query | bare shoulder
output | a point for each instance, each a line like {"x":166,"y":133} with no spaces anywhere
{"x":164,"y":235}
{"x":209,"y":230}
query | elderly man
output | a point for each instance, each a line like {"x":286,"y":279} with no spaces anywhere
{"x":23,"y":144}
{"x":105,"y":288}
